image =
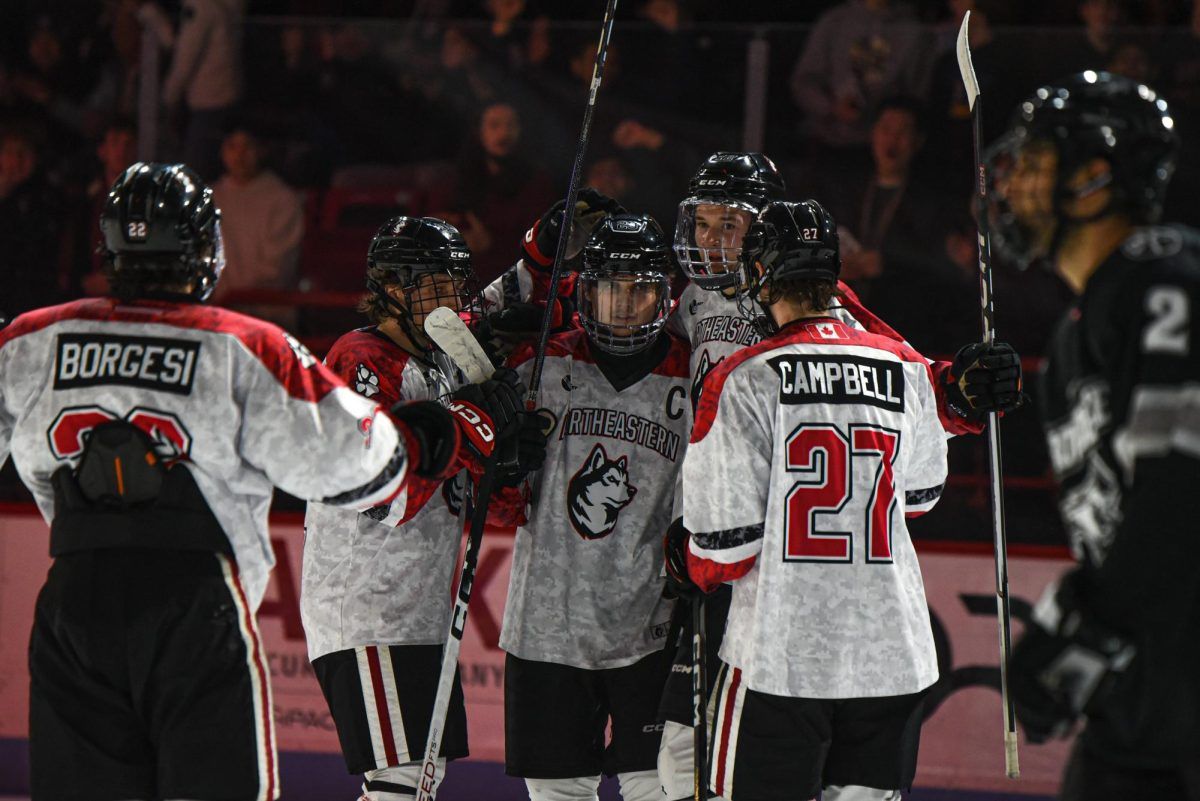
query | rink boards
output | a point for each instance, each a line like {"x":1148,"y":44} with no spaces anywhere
{"x":961,"y":747}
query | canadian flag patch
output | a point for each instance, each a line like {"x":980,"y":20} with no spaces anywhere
{"x":828,"y":331}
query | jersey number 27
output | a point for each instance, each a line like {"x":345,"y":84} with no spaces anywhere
{"x":824,"y":459}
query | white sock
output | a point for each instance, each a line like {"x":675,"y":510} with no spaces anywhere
{"x":580,"y":788}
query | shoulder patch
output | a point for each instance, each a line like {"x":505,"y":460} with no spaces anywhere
{"x":366,"y":381}
{"x":1152,"y":242}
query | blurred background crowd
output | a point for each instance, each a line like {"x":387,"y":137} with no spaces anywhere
{"x":316,"y":121}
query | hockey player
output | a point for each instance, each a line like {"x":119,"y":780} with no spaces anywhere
{"x":1079,"y":183}
{"x":725,"y":196}
{"x":808,"y":451}
{"x":151,"y":428}
{"x":374,"y":601}
{"x":585,"y":622}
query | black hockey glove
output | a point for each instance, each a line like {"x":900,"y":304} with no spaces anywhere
{"x":984,"y":378}
{"x":501,"y":332}
{"x":532,"y":435}
{"x":541,"y":241}
{"x":434,"y":429}
{"x":675,"y":548}
{"x":500,"y":399}
{"x":1065,"y":664}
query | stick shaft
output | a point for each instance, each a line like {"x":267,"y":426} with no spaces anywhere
{"x":427,"y":789}
{"x":995,"y":462}
{"x":564,"y":235}
{"x":699,"y":704}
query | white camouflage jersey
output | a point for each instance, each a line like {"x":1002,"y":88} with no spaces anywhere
{"x":715,"y":328}
{"x":238,"y":402}
{"x":587,"y":570}
{"x":383,"y":576}
{"x":809,"y":451}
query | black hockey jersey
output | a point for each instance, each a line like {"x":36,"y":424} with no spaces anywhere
{"x":1121,"y":407}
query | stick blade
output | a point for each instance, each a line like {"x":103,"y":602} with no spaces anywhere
{"x":965,"y":67}
{"x":450,"y":333}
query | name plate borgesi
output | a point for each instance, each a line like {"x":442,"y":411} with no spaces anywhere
{"x":839,"y":379}
{"x":88,"y":360}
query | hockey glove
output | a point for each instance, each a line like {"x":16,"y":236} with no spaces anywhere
{"x":675,"y":549}
{"x":501,"y":332}
{"x":1065,"y":664}
{"x":437,"y":436}
{"x":532,"y":434}
{"x":487,"y":412}
{"x":541,"y":241}
{"x":984,"y":378}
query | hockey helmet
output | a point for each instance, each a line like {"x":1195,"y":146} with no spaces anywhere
{"x":624,"y":289}
{"x":164,"y":215}
{"x":788,"y":242}
{"x":724,"y":196}
{"x":1085,"y":116}
{"x":429,"y":260}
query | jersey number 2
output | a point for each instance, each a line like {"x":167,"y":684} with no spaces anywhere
{"x":823,"y":458}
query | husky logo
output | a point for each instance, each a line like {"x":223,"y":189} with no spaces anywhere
{"x":705,"y":367}
{"x":597,"y":494}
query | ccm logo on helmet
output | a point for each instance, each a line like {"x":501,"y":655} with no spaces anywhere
{"x":711,"y":182}
{"x":624,"y":256}
{"x":459,"y":254}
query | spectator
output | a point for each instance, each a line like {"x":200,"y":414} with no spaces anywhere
{"x":516,"y":38}
{"x":30,"y":227}
{"x":262,"y":221}
{"x":858,"y":53}
{"x":898,"y":221}
{"x":1001,"y":80}
{"x":116,"y":150}
{"x":499,"y":191}
{"x":1094,"y":49}
{"x":459,"y":84}
{"x":206,"y":74}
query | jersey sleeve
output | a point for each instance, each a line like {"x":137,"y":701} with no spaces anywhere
{"x":310,"y":434}
{"x":726,"y":478}
{"x":862,"y":317}
{"x":383,"y":384}
{"x":925,"y":468}
{"x":524,"y":283}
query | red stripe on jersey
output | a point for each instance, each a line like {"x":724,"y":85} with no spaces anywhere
{"x":574,"y":343}
{"x":708,"y":575}
{"x":381,"y":705}
{"x":726,"y":727}
{"x":799,"y":332}
{"x":265,"y":340}
{"x":256,"y":658}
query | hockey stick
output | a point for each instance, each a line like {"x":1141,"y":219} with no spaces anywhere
{"x":450,"y":333}
{"x":699,"y":704}
{"x":564,"y":232}
{"x":999,"y":540}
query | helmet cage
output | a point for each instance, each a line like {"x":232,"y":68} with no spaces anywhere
{"x":597,"y":293}
{"x":710,"y":266}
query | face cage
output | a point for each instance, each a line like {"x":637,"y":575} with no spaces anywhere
{"x":603,"y":335}
{"x":466,"y":299}
{"x":714,"y":267}
{"x":751,"y":309}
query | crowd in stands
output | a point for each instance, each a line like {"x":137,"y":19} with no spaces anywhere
{"x":317,"y":121}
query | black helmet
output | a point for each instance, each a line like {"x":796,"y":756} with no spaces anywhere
{"x":1088,"y":115}
{"x":163,"y":212}
{"x":788,"y":241}
{"x":729,"y":189}
{"x":626,"y":274}
{"x":404,"y":250}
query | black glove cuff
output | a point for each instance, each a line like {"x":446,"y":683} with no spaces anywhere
{"x":437,"y":436}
